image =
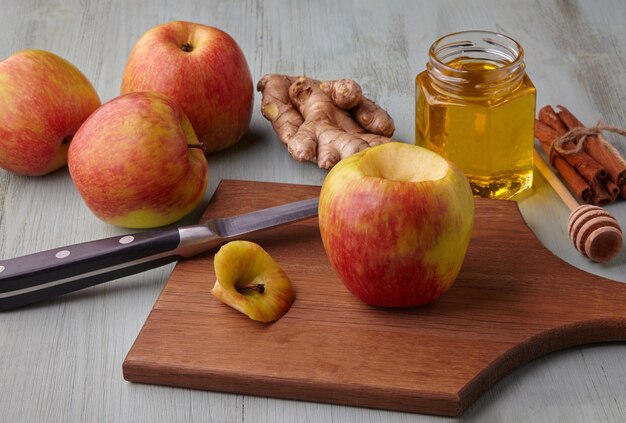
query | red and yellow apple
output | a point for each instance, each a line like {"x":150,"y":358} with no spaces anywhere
{"x":135,"y":164}
{"x":251,"y":282}
{"x":43,"y":101}
{"x":203,"y":70}
{"x":396,"y":221}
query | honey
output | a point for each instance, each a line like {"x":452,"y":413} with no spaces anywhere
{"x":475,"y":105}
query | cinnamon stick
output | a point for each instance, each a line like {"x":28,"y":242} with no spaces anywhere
{"x":581,"y":189}
{"x":598,"y":148}
{"x":612,"y":188}
{"x":588,"y":167}
{"x":577,"y":183}
{"x":600,"y":196}
{"x":548,"y":116}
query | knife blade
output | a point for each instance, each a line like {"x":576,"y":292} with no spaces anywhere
{"x":35,"y":277}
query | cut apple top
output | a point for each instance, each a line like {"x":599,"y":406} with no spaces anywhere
{"x":395,"y":221}
{"x":250,"y":281}
{"x":396,"y":161}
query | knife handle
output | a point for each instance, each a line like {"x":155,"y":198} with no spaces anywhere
{"x":34,"y":277}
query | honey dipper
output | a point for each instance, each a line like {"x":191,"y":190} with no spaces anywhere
{"x":593,"y":230}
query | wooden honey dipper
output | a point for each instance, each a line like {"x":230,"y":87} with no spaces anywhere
{"x":593,"y":230}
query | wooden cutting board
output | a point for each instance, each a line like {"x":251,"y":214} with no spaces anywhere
{"x":512,"y":302}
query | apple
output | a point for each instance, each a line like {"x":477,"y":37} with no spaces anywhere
{"x":251,"y":282}
{"x":203,"y":70}
{"x":396,"y":221}
{"x":135,"y":163}
{"x":43,"y":101}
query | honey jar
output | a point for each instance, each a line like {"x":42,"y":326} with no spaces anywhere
{"x":475,"y":105}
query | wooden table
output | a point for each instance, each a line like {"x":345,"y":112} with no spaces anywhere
{"x":60,"y":361}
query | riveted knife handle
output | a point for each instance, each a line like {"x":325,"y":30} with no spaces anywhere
{"x":34,"y":277}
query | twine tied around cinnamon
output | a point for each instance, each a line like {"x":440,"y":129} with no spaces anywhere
{"x":578,"y":136}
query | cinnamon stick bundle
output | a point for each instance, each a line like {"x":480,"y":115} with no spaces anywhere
{"x":546,"y":135}
{"x":588,"y":167}
{"x":595,"y":172}
{"x":598,"y":148}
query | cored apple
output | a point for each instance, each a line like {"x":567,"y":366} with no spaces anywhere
{"x":43,"y":101}
{"x":136,"y":164}
{"x":396,"y":221}
{"x":203,"y":70}
{"x":251,"y":282}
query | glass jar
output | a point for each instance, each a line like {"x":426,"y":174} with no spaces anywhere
{"x":475,"y":105}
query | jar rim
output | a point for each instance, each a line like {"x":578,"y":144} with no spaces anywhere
{"x":514,"y":48}
{"x":503,"y":53}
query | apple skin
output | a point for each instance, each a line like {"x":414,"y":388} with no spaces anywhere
{"x":241,"y":266}
{"x":132,"y":164}
{"x":396,"y":243}
{"x":212,"y":83}
{"x":43,"y":101}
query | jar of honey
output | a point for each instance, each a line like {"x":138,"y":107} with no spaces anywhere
{"x":475,"y":105}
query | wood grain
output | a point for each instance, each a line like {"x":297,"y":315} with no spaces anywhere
{"x":503,"y":311}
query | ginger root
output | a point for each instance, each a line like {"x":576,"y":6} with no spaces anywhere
{"x":322,"y":122}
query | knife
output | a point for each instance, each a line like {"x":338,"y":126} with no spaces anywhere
{"x":34,"y":277}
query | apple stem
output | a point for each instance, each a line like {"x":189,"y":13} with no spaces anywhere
{"x":259,"y":287}
{"x":199,"y":145}
{"x":186,"y":47}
